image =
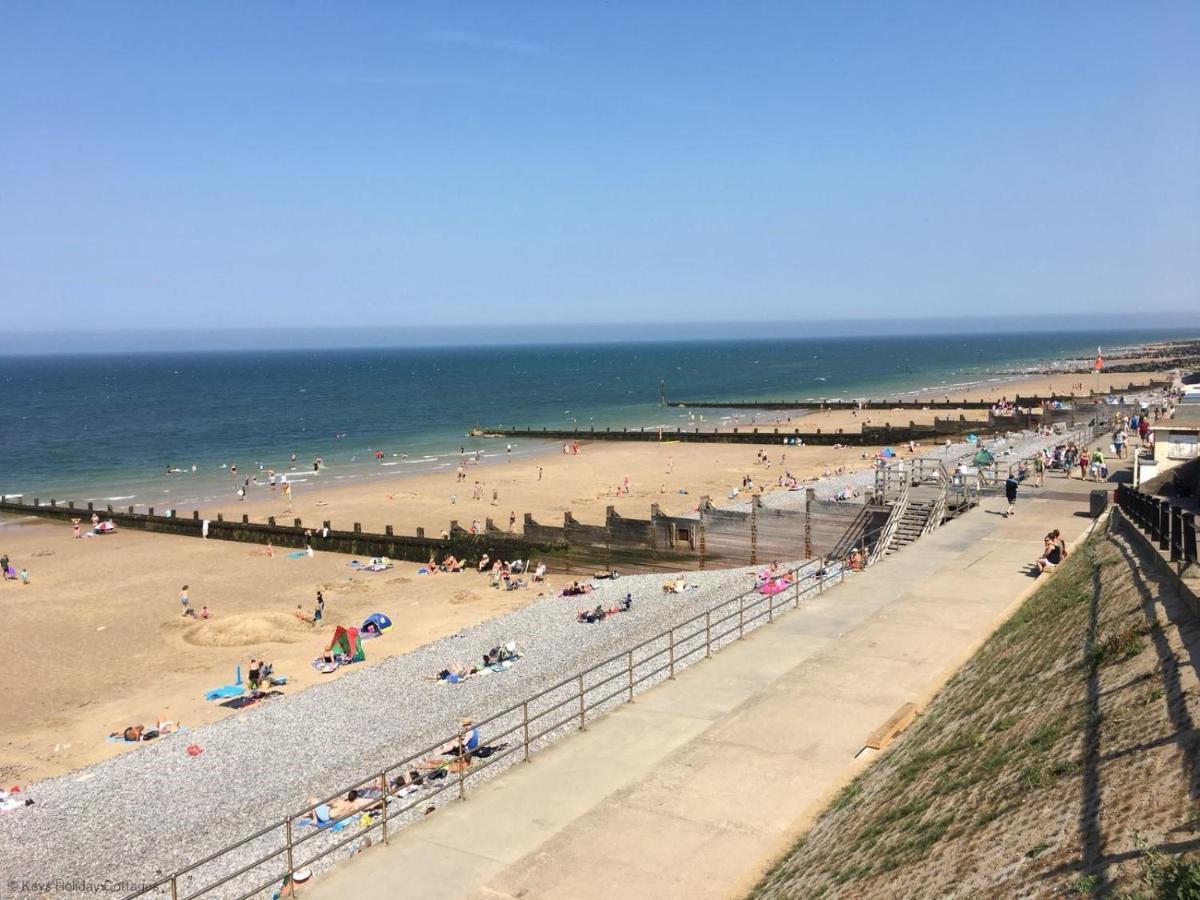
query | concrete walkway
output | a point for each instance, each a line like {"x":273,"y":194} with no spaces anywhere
{"x":695,"y":788}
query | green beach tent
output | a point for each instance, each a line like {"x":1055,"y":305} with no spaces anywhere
{"x":984,"y":458}
{"x":345,"y":641}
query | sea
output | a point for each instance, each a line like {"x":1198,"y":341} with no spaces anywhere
{"x":128,"y":429}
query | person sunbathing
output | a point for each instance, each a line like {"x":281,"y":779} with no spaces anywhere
{"x":135,"y":733}
{"x":452,"y":564}
{"x":454,"y":673}
{"x":539,"y":574}
{"x":466,"y":743}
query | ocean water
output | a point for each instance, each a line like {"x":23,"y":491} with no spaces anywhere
{"x":106,"y":427}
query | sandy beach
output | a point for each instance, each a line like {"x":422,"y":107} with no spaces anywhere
{"x":113,"y":650}
{"x":116,"y":651}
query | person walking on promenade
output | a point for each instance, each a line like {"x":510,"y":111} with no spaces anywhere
{"x":1039,"y":468}
{"x":1010,"y":493}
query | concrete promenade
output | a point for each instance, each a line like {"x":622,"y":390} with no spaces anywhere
{"x":694,"y":789}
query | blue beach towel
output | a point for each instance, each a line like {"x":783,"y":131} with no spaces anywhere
{"x":229,"y":690}
{"x":299,"y":554}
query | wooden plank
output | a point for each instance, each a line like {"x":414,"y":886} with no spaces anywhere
{"x":896,"y":723}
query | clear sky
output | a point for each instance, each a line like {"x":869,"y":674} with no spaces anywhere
{"x":236,"y":165}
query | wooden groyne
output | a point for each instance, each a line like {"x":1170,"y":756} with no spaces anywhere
{"x":1032,"y":402}
{"x":869,"y":435}
{"x":712,"y":538}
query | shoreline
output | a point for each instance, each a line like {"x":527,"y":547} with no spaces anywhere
{"x":211,"y":494}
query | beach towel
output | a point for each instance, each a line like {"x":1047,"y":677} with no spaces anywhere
{"x":229,"y":690}
{"x":298,"y":554}
{"x":256,"y":697}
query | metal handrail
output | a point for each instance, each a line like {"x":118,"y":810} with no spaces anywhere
{"x":889,"y":527}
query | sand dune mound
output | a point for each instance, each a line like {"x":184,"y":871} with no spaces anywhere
{"x":244,"y":629}
{"x":349,"y":586}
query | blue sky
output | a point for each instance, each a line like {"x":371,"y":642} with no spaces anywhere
{"x":224,"y":165}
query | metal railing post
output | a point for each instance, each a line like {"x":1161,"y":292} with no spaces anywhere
{"x":174,"y":889}
{"x":629,"y":670}
{"x":672,"y":675}
{"x":708,"y":634}
{"x":770,"y":608}
{"x":741,"y":616}
{"x":291,"y":864}
{"x":525,"y":727}
{"x":383,"y":786}
{"x":582,"y":710}
{"x":462,"y":765}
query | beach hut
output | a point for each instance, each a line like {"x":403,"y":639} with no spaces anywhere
{"x":345,"y":641}
{"x":375,"y":624}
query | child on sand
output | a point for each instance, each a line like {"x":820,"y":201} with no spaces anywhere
{"x":24,"y":576}
{"x":184,"y":601}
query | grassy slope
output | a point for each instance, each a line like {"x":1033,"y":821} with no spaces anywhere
{"x":1063,"y":744}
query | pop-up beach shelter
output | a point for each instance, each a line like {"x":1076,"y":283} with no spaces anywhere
{"x":375,"y":623}
{"x":345,"y":641}
{"x":984,"y":458}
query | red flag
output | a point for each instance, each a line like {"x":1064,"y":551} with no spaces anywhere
{"x":1099,"y":359}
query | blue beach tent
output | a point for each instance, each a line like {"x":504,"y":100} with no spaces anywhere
{"x":375,"y":624}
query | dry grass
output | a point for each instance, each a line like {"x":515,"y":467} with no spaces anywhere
{"x":1055,"y":763}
